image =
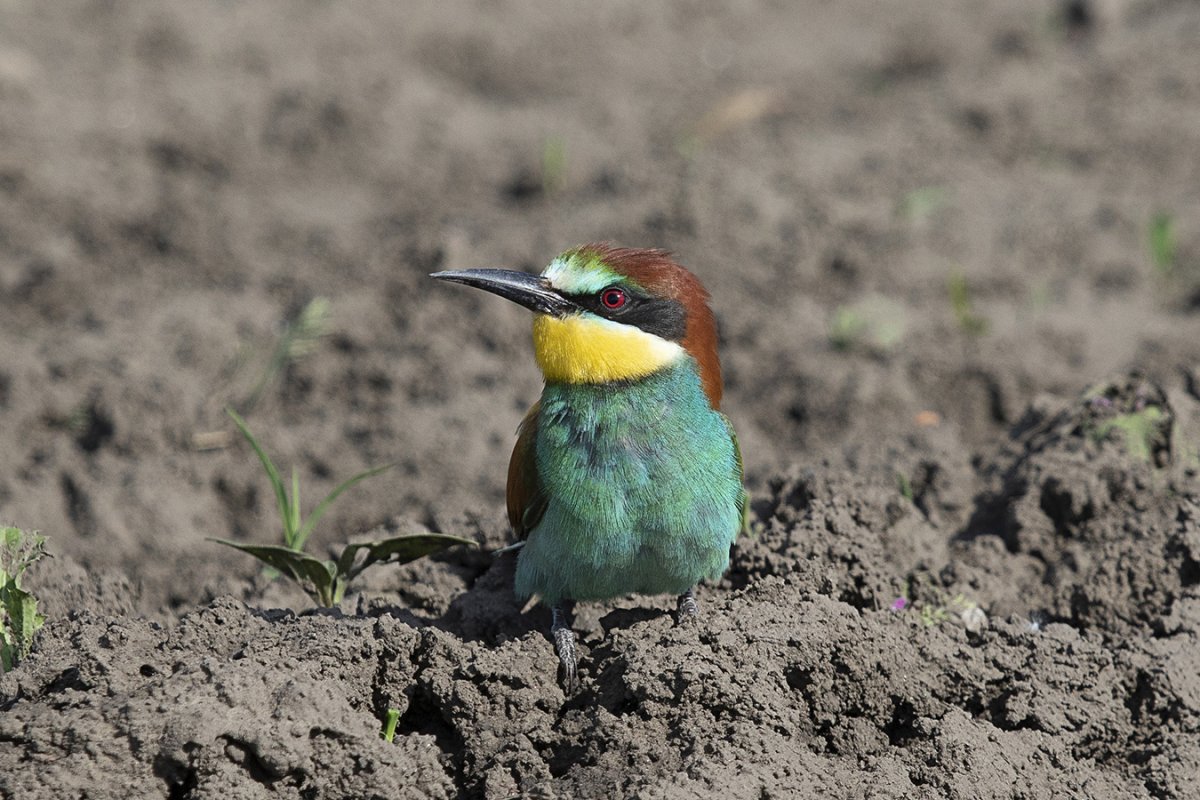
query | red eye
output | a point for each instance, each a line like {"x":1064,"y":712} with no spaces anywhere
{"x":613,"y":298}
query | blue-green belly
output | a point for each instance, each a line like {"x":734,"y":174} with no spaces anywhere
{"x":643,"y":490}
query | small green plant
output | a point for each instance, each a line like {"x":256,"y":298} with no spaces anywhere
{"x":389,"y":724}
{"x":296,"y":529}
{"x":1140,"y":431}
{"x":326,"y":581}
{"x":940,"y":610}
{"x":1161,"y":238}
{"x":932,"y":615}
{"x":935,"y":609}
{"x":874,"y":323}
{"x":847,"y":328}
{"x":904,"y":485}
{"x":921,"y":204}
{"x":1133,"y":412}
{"x":299,"y":338}
{"x":964,"y":308}
{"x":19,"y":619}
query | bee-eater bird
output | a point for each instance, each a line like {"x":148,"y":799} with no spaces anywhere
{"x":626,"y":477}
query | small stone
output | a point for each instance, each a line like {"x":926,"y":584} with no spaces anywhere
{"x":974,"y":619}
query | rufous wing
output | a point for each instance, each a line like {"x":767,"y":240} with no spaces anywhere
{"x":526,"y":499}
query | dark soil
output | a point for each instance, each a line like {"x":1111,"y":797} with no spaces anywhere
{"x":964,"y":369}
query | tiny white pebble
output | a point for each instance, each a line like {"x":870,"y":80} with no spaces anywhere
{"x":974,"y":619}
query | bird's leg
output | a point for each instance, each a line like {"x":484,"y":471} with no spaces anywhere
{"x":564,"y":645}
{"x":688,"y":608}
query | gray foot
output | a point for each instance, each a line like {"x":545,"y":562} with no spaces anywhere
{"x":688,"y":609}
{"x":564,"y":645}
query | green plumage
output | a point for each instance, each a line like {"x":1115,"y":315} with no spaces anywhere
{"x":642,"y":489}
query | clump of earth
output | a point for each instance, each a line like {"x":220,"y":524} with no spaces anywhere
{"x":956,"y":261}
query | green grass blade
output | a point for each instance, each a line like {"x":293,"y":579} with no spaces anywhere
{"x":299,"y":338}
{"x":964,"y":307}
{"x":1162,"y":243}
{"x":338,"y":589}
{"x":272,"y":473}
{"x":24,"y":620}
{"x":323,"y":506}
{"x":291,"y":528}
{"x":389,"y":724}
{"x":313,"y":574}
{"x":396,"y":550}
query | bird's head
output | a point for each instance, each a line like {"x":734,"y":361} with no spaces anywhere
{"x":606,"y":314}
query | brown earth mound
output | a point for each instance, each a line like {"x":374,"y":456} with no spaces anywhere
{"x":955,"y":253}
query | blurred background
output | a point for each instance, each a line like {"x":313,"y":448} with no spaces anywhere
{"x":914,"y":218}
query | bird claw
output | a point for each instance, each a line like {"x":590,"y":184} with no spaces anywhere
{"x":564,"y":646}
{"x":688,"y":610}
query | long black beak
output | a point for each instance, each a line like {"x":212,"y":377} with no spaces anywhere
{"x":531,"y":291}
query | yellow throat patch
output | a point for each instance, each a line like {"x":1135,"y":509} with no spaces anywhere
{"x":580,"y":349}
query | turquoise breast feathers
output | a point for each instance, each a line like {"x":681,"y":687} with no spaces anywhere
{"x":643,"y":486}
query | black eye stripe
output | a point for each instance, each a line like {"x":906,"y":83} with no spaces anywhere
{"x":594,"y":302}
{"x":659,"y":316}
